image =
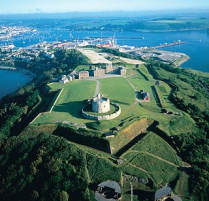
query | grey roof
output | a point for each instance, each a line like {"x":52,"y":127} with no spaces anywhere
{"x":162,"y":192}
{"x":111,"y":184}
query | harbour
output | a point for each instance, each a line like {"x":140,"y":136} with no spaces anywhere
{"x":195,"y":44}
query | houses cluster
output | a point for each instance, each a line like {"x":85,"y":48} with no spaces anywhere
{"x":60,"y":45}
{"x":49,"y":55}
{"x":67,"y":78}
{"x":9,"y":56}
{"x":9,"y":31}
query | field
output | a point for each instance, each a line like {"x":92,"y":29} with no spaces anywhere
{"x":155,"y":157}
{"x":70,"y":102}
{"x":121,"y":91}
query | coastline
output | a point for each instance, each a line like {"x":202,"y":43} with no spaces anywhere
{"x":182,"y":60}
{"x":160,"y":31}
{"x":25,"y":71}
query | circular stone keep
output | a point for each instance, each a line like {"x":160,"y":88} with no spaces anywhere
{"x":100,"y":104}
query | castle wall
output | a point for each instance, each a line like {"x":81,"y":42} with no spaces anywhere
{"x":103,"y":117}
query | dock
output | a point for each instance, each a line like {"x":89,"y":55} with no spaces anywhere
{"x":116,"y":37}
{"x":167,"y":45}
{"x":7,"y":68}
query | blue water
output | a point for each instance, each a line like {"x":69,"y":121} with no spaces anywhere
{"x":12,"y":80}
{"x":197,"y":48}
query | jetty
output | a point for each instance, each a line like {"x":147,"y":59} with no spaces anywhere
{"x":167,"y":45}
{"x":117,"y":37}
{"x":7,"y":68}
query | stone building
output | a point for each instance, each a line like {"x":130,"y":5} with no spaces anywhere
{"x":122,"y":71}
{"x":83,"y":74}
{"x":100,"y":104}
{"x":109,"y":68}
{"x":99,"y":72}
{"x":64,"y":80}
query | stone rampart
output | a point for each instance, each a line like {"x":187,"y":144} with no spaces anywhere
{"x":102,"y":117}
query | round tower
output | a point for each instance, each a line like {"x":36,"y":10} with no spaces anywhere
{"x":100,"y":104}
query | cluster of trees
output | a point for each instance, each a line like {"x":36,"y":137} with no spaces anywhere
{"x":13,"y":108}
{"x":194,"y":149}
{"x":63,"y":62}
{"x":42,"y":168}
{"x":45,"y":167}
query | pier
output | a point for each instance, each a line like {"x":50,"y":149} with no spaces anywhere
{"x":167,"y":45}
{"x":7,"y":68}
{"x":118,"y":37}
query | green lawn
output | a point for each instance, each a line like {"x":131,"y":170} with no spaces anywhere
{"x":118,"y":89}
{"x":171,"y":124}
{"x":70,"y":102}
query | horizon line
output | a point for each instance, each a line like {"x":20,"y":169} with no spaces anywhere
{"x":106,"y":11}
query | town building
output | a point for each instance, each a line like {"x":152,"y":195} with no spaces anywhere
{"x":98,"y":72}
{"x":109,"y":68}
{"x":49,"y":55}
{"x":122,"y":71}
{"x":64,"y":80}
{"x":71,"y":77}
{"x":83,"y":74}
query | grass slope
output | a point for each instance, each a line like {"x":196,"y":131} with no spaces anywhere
{"x":154,"y":144}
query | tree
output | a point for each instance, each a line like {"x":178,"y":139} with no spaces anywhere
{"x":64,"y":196}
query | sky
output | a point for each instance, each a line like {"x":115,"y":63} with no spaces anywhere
{"x":54,"y":6}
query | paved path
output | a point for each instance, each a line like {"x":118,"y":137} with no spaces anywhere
{"x":97,"y":87}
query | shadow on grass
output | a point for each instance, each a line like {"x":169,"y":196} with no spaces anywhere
{"x":130,"y":144}
{"x":120,"y":102}
{"x":143,"y":75}
{"x":83,"y":137}
{"x":143,"y":195}
{"x":73,"y":108}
